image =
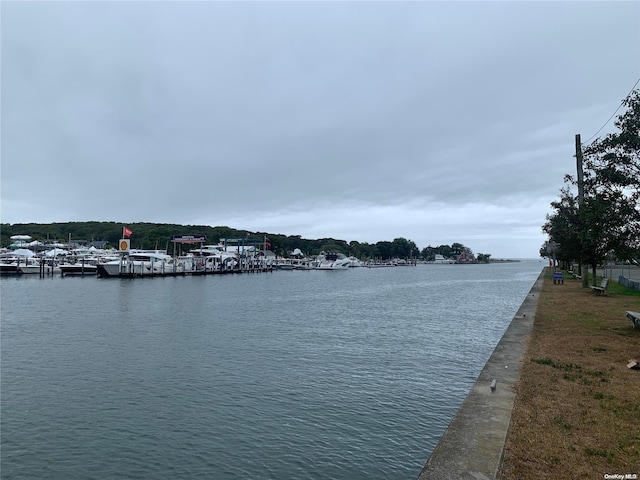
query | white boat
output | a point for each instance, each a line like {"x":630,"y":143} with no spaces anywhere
{"x":379,"y":264}
{"x":142,"y":262}
{"x":301,"y":264}
{"x":214,"y":258}
{"x":283,"y":264}
{"x":9,"y":266}
{"x":355,"y":262}
{"x":402,"y":262}
{"x":440,"y":260}
{"x":31,"y":265}
{"x":84,"y":261}
{"x":332,"y":261}
{"x":21,"y":261}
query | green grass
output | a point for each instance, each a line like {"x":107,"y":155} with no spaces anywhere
{"x":615,"y":288}
{"x":543,"y":361}
{"x":599,"y":452}
{"x":567,"y":367}
{"x":562,"y":423}
{"x":578,"y":351}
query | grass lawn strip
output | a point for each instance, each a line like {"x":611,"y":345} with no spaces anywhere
{"x":577,"y":408}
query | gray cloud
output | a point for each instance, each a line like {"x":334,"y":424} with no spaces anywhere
{"x":362,"y":121}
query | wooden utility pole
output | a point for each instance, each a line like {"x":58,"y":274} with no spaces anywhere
{"x":579,"y":168}
{"x":583,"y":272}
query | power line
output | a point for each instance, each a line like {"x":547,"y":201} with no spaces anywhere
{"x":613,"y":114}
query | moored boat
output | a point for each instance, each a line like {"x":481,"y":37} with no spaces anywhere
{"x":214,"y":258}
{"x":142,"y":263}
{"x":78,"y":268}
{"x":32,"y":265}
{"x":8,"y":267}
{"x":18,"y":262}
{"x":355,"y":262}
{"x":332,"y":261}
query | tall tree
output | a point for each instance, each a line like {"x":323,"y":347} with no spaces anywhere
{"x":564,"y":226}
{"x":459,"y":248}
{"x":604,"y":220}
{"x":608,"y":220}
{"x":403,"y":248}
{"x":612,"y":187}
{"x":429,"y":253}
{"x":445,"y":251}
{"x":614,"y":161}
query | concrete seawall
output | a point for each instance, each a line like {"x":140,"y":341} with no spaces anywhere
{"x":473,"y":444}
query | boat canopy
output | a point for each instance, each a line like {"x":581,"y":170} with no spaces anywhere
{"x":23,"y":252}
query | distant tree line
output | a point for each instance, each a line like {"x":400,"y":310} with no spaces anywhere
{"x":158,"y":236}
{"x":605,"y":222}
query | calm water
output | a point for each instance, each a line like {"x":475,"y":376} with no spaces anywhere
{"x":287,"y":375}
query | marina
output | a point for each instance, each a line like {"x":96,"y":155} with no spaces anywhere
{"x":227,"y":256}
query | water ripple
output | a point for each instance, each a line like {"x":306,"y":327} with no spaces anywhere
{"x":318,"y":375}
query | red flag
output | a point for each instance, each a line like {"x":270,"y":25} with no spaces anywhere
{"x":126,"y":232}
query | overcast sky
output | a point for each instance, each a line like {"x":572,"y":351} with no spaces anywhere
{"x":439,"y":122}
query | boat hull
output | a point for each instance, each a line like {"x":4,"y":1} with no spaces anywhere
{"x":337,"y":265}
{"x":78,"y":269}
{"x":142,"y":268}
{"x":10,"y":269}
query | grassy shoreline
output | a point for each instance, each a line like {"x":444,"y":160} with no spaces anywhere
{"x":577,"y":408}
